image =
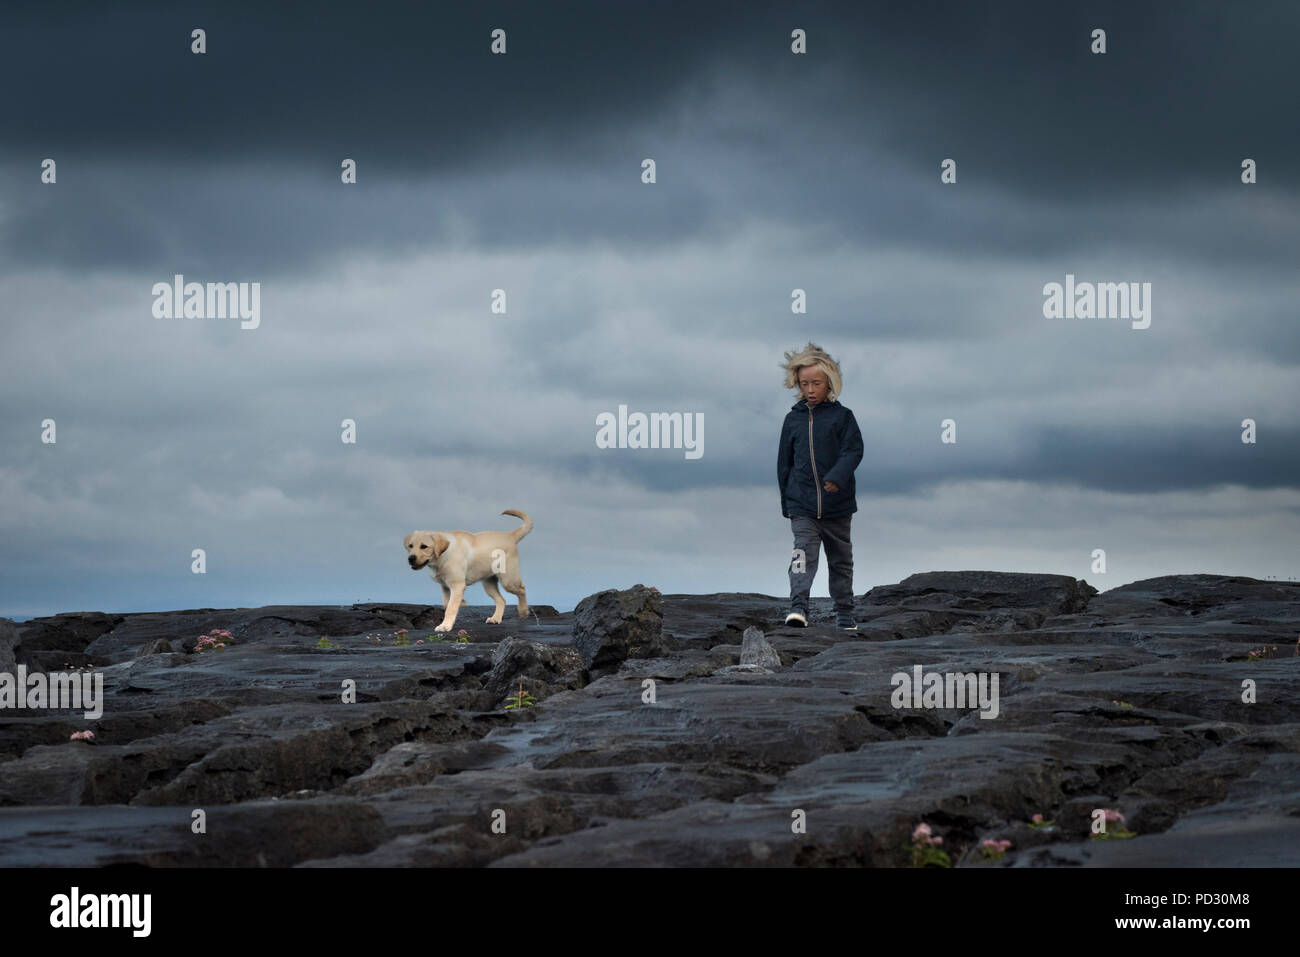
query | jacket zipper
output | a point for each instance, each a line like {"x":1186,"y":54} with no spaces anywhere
{"x":816,"y":481}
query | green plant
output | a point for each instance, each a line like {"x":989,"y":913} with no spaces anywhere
{"x":1037,"y":822}
{"x":1114,"y":835}
{"x":994,"y":850}
{"x":925,"y":849}
{"x":325,"y":644}
{"x":462,"y":637}
{"x":522,"y":699}
{"x":1122,"y":704}
{"x":219,"y":638}
{"x":1114,"y":817}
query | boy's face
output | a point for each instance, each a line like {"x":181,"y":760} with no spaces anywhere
{"x":813,"y":384}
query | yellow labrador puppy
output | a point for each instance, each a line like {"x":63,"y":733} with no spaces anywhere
{"x":457,"y":559}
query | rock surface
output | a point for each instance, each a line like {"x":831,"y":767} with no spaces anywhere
{"x":666,"y":731}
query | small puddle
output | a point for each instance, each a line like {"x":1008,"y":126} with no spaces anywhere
{"x":518,"y":741}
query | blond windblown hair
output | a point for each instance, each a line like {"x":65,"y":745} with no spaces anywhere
{"x":812,"y":355}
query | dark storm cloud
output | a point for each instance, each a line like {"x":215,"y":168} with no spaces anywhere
{"x":232,"y":158}
{"x":414,"y":83}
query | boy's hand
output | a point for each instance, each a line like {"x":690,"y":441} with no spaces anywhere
{"x":830,"y":487}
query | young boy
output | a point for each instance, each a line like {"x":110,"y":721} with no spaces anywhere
{"x":821,"y":446}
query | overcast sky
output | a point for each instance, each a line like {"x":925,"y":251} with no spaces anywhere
{"x":775,"y":171}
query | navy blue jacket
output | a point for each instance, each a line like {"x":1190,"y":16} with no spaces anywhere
{"x":818,"y":445}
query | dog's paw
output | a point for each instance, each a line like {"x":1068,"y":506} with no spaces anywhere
{"x":443,"y":627}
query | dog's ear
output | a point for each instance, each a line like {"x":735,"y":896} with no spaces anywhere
{"x":440,"y":544}
{"x":406,"y":541}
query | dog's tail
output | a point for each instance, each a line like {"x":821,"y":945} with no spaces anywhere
{"x":523,"y":529}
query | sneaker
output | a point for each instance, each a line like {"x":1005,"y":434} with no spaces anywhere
{"x":797,"y":619}
{"x":846,"y":622}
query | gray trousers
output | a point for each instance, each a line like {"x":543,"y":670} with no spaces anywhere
{"x":809,"y":533}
